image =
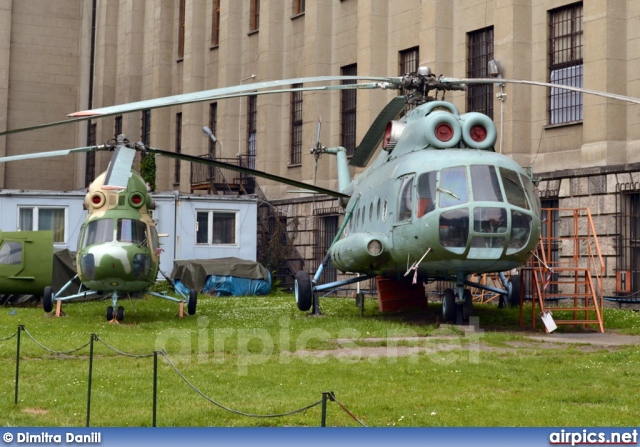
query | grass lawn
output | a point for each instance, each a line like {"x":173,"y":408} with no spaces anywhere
{"x":259,"y":355}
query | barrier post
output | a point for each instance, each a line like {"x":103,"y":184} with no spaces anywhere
{"x":20,"y":329}
{"x":155,"y":386}
{"x":93,"y":337}
{"x":325,"y":396}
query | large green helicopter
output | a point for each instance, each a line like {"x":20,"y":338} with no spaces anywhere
{"x":437,"y":202}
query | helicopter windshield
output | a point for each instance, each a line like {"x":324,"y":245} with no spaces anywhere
{"x":426,"y":193}
{"x":485,"y":184}
{"x":453,"y":187}
{"x":98,"y":231}
{"x":132,"y":231}
{"x":513,"y":188}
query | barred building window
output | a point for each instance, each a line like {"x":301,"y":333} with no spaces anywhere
{"x":565,"y":63}
{"x":326,"y":230}
{"x":252,"y":130}
{"x":181,"y":27}
{"x":298,"y":7}
{"x":215,"y":26}
{"x":117,"y":126}
{"x":254,"y":22}
{"x":213,"y":125}
{"x":176,"y":175}
{"x":408,"y":61}
{"x":145,"y":127}
{"x":296,"y":126}
{"x":348,"y":112}
{"x":90,"y":161}
{"x":479,"y":53}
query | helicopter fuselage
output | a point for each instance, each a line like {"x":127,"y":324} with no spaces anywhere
{"x":441,"y":210}
{"x":118,"y":247}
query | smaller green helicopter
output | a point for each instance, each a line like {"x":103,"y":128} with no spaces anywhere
{"x":119,"y":246}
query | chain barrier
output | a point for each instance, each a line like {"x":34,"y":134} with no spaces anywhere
{"x":332,"y":397}
{"x":117,"y":351}
{"x":329,"y":395}
{"x":231,"y":410}
{"x":51,"y":351}
{"x":9,"y":337}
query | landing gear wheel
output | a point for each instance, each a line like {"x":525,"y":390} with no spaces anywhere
{"x":110,"y":313}
{"x":47,"y":299}
{"x":449,"y":306}
{"x":467,"y":306}
{"x":193,"y":300}
{"x":514,"y":296}
{"x":120,"y":313}
{"x":303,"y":292}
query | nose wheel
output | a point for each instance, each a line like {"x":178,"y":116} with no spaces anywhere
{"x":116,"y":316}
{"x":456,"y":311}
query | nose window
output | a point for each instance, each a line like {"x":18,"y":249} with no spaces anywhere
{"x":454,"y":230}
{"x":453,"y":187}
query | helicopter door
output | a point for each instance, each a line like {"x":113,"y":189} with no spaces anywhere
{"x":402,"y":233}
{"x":405,"y":199}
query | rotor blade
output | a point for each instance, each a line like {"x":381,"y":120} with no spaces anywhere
{"x":541,"y":84}
{"x":119,"y":169}
{"x":44,"y":125}
{"x":207,"y":95}
{"x":249,"y":171}
{"x":50,"y":154}
{"x":374,"y":135}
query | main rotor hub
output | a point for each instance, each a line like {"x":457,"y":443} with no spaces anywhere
{"x":417,"y":85}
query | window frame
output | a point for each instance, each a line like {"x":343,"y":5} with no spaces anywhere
{"x":348,"y":111}
{"x":213,"y":126}
{"x":298,"y":8}
{"x":178,"y":148}
{"x":35,"y":219}
{"x":210,"y":228}
{"x":563,"y":106}
{"x":254,"y":16}
{"x":252,"y":130}
{"x":181,"y":28}
{"x":215,"y":25}
{"x":296,"y":126}
{"x":480,"y":46}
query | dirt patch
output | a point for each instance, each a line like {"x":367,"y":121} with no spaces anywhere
{"x":36,"y":411}
{"x":469,"y":341}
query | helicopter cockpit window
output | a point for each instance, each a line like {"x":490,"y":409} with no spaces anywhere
{"x":485,"y":184}
{"x":454,"y":230}
{"x":98,"y":231}
{"x":11,"y":253}
{"x":513,"y":188}
{"x":132,"y":231}
{"x":155,"y":241}
{"x":426,"y":193}
{"x":453,"y":187}
{"x":405,"y":199}
{"x":532,"y":193}
{"x":520,"y":231}
{"x":489,"y":222}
